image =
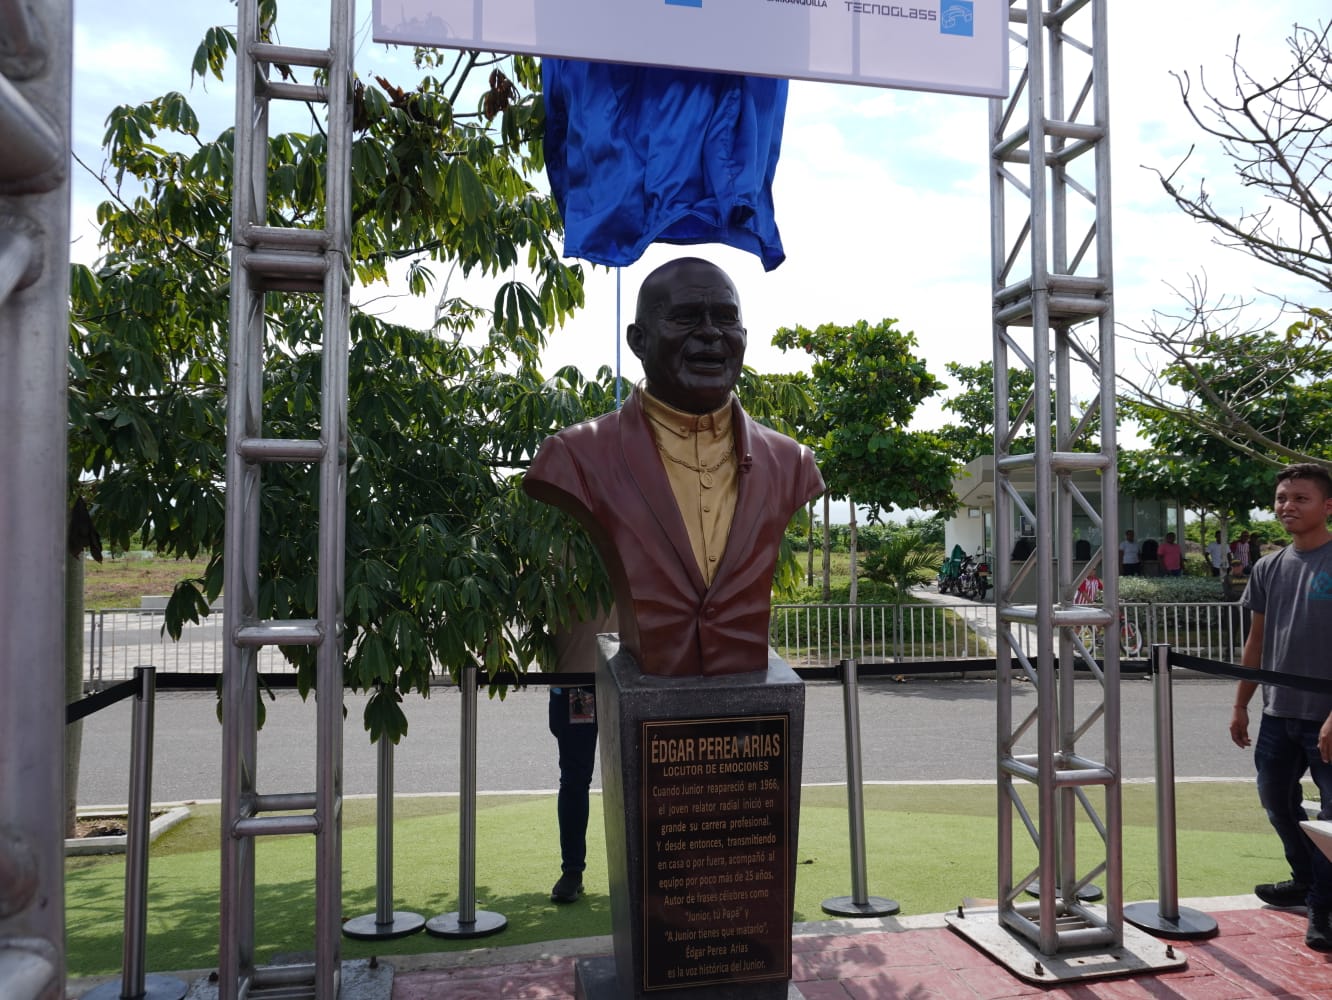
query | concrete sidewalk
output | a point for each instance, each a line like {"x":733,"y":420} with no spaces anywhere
{"x":1258,"y":952}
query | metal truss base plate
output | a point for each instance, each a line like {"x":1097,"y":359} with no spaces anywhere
{"x":874,"y":906}
{"x":1139,"y":952}
{"x":155,"y":987}
{"x":368,"y":928}
{"x":1087,"y":894}
{"x":1190,"y":924}
{"x":362,"y":979}
{"x":447,"y":925}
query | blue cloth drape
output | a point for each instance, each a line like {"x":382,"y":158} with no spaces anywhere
{"x":639,"y":154}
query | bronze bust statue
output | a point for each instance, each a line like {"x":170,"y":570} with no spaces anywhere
{"x":685,"y":497}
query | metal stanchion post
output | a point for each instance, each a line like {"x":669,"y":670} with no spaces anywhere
{"x":135,"y":984}
{"x":860,"y":903}
{"x":385,"y":923}
{"x":467,"y":922}
{"x":1164,"y":916}
{"x":92,"y":651}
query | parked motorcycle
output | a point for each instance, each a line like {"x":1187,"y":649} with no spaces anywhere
{"x":973,"y":579}
{"x":950,"y":573}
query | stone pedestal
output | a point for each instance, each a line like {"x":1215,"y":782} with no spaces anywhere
{"x":701,"y":779}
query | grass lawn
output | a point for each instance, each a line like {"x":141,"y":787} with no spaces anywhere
{"x":120,"y":581}
{"x":928,"y":846}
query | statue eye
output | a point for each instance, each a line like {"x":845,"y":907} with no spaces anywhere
{"x":723,"y":318}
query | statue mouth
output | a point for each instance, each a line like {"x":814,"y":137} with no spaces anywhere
{"x":707,"y":362}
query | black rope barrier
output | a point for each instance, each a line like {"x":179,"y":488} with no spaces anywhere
{"x":98,"y":700}
{"x":914,"y":668}
{"x":881,"y":668}
{"x":1316,"y":685}
{"x":85,"y":707}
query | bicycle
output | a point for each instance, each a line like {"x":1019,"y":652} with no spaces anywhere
{"x":1089,"y":592}
{"x":1130,"y":641}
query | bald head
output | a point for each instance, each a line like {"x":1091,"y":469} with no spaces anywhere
{"x":689,"y":335}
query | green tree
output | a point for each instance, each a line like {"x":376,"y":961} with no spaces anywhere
{"x":1189,"y":464}
{"x":972,"y":433}
{"x":447,"y":561}
{"x":1261,"y":392}
{"x":1264,"y":396}
{"x":902,"y":559}
{"x":866,"y":383}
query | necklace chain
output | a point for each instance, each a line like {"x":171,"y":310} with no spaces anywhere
{"x":701,"y":469}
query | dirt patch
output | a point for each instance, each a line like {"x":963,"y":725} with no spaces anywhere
{"x":104,"y":826}
{"x":100,"y":827}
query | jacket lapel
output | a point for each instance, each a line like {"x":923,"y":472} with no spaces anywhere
{"x":751,"y":493}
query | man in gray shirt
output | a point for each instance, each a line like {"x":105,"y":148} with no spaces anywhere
{"x":1289,"y":594}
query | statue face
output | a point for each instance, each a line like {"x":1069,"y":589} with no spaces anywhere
{"x":689,"y":335}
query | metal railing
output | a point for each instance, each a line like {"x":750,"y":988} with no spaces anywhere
{"x":825,"y":634}
{"x":119,"y":639}
{"x":828,"y":633}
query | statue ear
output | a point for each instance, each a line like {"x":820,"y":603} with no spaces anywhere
{"x":635,"y":337}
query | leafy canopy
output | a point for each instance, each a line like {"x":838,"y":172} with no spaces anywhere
{"x":447,"y":562}
{"x":866,"y":383}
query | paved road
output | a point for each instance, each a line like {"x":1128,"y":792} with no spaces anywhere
{"x":923,"y":730}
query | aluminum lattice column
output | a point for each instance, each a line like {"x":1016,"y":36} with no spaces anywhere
{"x":1052,"y":275}
{"x":266,"y":260}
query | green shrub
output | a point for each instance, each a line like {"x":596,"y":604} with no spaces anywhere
{"x":1169,"y":589}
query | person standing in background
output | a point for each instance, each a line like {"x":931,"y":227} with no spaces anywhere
{"x":1216,"y":555}
{"x":1130,"y":556}
{"x":1239,"y":553}
{"x":1255,"y":550}
{"x":1171,"y":556}
{"x":573,"y":723}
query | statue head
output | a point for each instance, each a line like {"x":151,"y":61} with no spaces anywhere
{"x":689,"y":335}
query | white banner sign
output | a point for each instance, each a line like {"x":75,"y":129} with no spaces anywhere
{"x":953,"y":46}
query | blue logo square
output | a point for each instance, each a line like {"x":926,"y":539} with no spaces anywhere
{"x":685,"y":3}
{"x":957,"y":18}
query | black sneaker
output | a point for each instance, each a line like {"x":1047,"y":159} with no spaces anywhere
{"x":568,"y":888}
{"x":1319,"y":935}
{"x":1287,"y":893}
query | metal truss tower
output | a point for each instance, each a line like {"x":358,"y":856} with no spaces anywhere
{"x":1059,"y":809}
{"x":268,"y":260}
{"x":1051,"y":259}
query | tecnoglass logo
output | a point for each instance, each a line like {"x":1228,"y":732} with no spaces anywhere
{"x":956,"y":18}
{"x":685,"y":3}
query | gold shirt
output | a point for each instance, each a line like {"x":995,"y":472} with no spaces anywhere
{"x":698,"y":454}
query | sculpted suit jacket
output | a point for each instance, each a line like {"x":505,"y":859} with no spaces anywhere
{"x":607,"y":474}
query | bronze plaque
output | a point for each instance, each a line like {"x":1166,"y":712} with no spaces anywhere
{"x":716,"y":851}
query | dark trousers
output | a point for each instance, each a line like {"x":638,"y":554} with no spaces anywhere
{"x":1287,"y":749}
{"x":578,"y":754}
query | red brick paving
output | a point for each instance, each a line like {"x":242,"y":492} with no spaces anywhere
{"x":1257,"y":953}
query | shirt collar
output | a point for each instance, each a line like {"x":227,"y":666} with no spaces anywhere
{"x":716,"y":424}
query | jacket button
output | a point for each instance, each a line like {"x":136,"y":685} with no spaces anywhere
{"x":710,"y":612}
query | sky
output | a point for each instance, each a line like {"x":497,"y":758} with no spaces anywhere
{"x":882,"y":196}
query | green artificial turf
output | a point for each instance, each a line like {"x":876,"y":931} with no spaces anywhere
{"x":928,"y":847}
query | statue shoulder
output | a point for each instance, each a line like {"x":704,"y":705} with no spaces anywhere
{"x":783,"y":452}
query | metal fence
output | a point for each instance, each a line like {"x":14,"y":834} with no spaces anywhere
{"x":822,"y":634}
{"x":804,"y":634}
{"x":120,"y":639}
{"x":1214,"y":631}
